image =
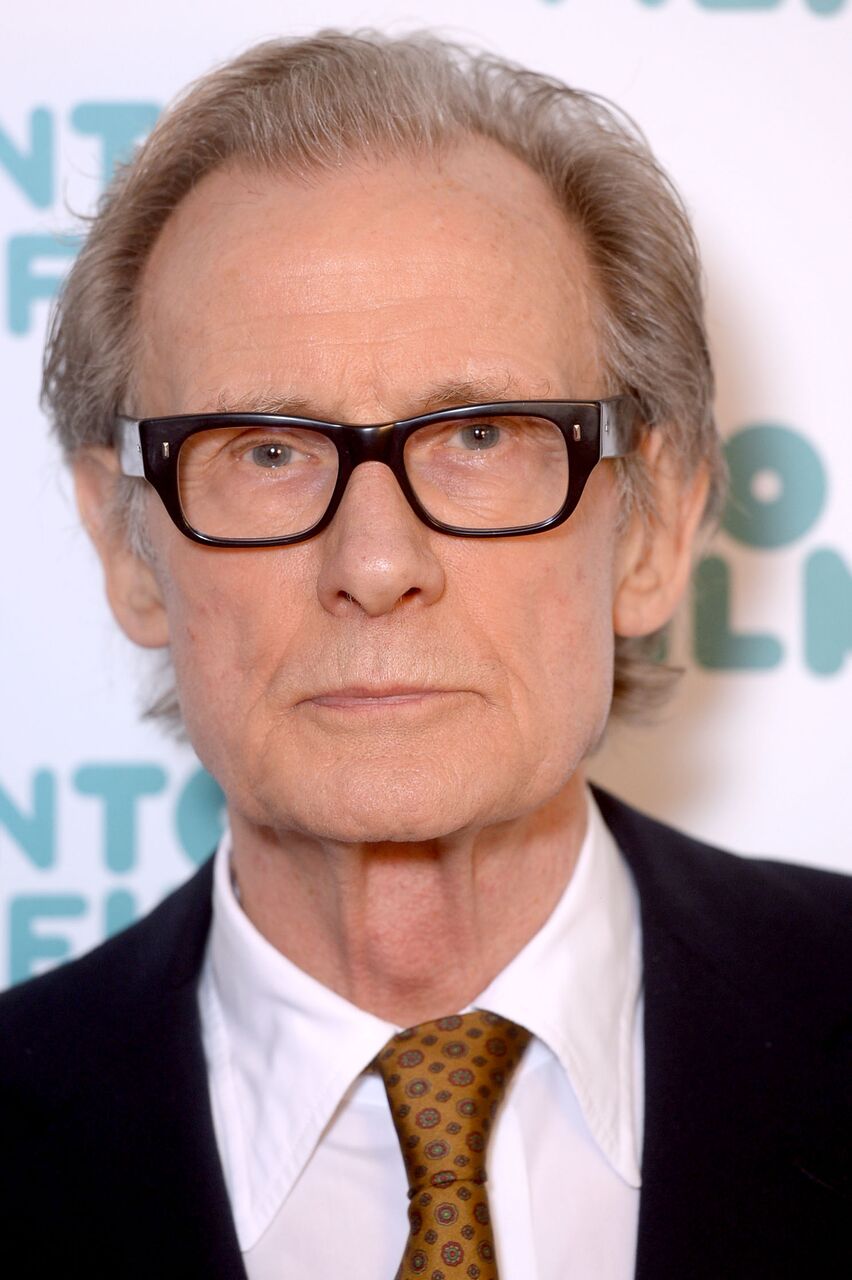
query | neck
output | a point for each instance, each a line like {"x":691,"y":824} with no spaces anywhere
{"x":408,"y":931}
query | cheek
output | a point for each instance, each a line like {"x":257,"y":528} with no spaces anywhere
{"x":571,"y":613}
{"x":231,"y":616}
{"x":561,"y":649}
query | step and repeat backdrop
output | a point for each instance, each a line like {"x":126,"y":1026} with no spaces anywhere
{"x":748,"y":103}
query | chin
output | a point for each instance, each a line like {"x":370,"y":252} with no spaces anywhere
{"x":382,"y":830}
{"x":389,"y":818}
{"x":401,"y":807}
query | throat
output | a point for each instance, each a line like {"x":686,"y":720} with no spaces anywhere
{"x":407,"y":932}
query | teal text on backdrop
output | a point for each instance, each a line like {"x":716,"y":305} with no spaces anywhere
{"x":36,"y":261}
{"x":118,"y":787}
{"x":778,"y":489}
{"x":38,"y":933}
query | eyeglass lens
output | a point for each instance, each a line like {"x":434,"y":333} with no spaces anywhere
{"x":261,"y":482}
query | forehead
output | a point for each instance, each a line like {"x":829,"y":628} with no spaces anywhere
{"x":367,"y":285}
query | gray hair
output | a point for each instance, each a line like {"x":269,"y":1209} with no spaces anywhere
{"x":304,"y":105}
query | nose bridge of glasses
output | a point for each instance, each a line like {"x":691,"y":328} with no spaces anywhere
{"x":382,"y":443}
{"x":377,"y":443}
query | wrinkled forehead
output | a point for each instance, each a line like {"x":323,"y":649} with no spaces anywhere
{"x":458,"y":266}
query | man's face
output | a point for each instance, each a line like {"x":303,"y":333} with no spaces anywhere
{"x":382,"y":681}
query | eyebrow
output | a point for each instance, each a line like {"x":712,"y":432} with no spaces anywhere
{"x":442,"y":395}
{"x":488,"y":390}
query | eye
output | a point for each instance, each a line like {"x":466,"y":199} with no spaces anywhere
{"x":480,"y":435}
{"x":270,"y":455}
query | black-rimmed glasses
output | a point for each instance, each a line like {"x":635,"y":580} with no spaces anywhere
{"x":479,"y":471}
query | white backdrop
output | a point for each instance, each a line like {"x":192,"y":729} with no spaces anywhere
{"x":749,"y":106}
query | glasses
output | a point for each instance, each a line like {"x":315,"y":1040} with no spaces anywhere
{"x":479,"y":471}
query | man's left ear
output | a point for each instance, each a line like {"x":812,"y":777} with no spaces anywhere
{"x":654,"y":558}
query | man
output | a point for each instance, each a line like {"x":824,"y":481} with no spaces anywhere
{"x":395,"y":648}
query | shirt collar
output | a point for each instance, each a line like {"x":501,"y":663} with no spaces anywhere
{"x":575,"y":985}
{"x":266,"y":1020}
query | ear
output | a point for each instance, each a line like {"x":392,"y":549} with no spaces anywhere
{"x":131,"y":586}
{"x":654,"y":558}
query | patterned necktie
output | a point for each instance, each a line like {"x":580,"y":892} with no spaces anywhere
{"x":445,"y":1081}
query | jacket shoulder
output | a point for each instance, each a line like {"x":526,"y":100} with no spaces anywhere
{"x":766,"y":921}
{"x":643,"y":838}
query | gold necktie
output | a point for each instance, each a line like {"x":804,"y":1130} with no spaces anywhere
{"x":445,"y":1081}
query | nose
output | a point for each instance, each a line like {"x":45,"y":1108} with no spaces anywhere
{"x":376,"y":554}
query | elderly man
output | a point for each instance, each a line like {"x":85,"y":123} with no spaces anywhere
{"x":385,"y":385}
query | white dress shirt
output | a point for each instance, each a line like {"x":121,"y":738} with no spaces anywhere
{"x":309,"y":1153}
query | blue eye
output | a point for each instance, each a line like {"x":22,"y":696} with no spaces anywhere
{"x":271,"y":455}
{"x":482,"y":435}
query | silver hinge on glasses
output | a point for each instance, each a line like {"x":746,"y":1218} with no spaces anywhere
{"x":128,"y":446}
{"x":618,"y":426}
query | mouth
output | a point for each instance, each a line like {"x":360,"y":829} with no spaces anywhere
{"x":378,"y":697}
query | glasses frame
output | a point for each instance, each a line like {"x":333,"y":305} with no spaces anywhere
{"x":592,"y":430}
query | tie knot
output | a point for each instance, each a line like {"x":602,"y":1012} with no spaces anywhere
{"x":445,"y":1081}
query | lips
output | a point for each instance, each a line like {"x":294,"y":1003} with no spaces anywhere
{"x":375,"y":695}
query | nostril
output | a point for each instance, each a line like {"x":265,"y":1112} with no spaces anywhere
{"x":347,"y":598}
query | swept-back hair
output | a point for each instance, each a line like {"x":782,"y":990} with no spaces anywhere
{"x":303,"y":105}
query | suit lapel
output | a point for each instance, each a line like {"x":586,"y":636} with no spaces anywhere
{"x":162,"y":1176}
{"x":168,"y":1160}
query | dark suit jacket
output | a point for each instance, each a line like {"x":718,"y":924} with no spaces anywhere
{"x":108,"y":1160}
